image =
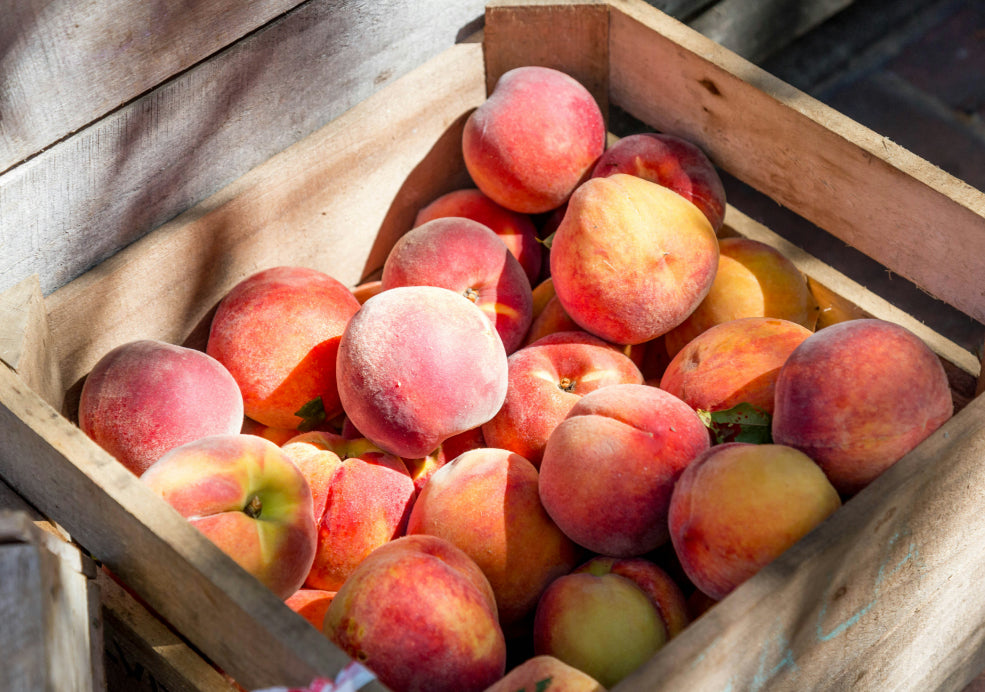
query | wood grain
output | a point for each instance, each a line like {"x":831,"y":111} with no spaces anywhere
{"x":871,"y":193}
{"x":85,"y":197}
{"x":65,"y":65}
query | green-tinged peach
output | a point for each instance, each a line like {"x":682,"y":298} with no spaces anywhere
{"x":546,"y":674}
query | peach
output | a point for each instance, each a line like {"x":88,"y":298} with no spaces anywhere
{"x":516,"y":230}
{"x":732,"y":363}
{"x":248,"y":498}
{"x":276,"y":435}
{"x":419,"y":613}
{"x":417,"y":365}
{"x":486,"y":502}
{"x":665,"y":593}
{"x":857,"y":396}
{"x":674,"y":162}
{"x":604,"y":625}
{"x":546,"y":674}
{"x":753,"y":280}
{"x":146,"y":397}
{"x":366,"y":290}
{"x":545,"y":380}
{"x":738,"y":506}
{"x":278,"y":333}
{"x":311,"y":604}
{"x":631,"y":259}
{"x":361,"y":498}
{"x":542,"y":294}
{"x":610,"y":465}
{"x":466,"y":257}
{"x":423,"y":468}
{"x":534,"y":139}
{"x":552,"y":318}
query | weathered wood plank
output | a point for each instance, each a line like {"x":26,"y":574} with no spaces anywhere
{"x":890,"y":204}
{"x":64,"y":65}
{"x":85,"y":197}
{"x":25,"y":341}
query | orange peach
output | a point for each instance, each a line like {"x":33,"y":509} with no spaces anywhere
{"x":366,"y":290}
{"x":536,"y":136}
{"x":858,"y":395}
{"x":551,"y":319}
{"x":361,"y":497}
{"x":516,"y":230}
{"x":753,"y":280}
{"x":486,"y":502}
{"x":732,"y":363}
{"x":423,"y":468}
{"x":675,"y":163}
{"x":546,"y":674}
{"x":631,"y":258}
{"x":278,"y":333}
{"x":464,"y":256}
{"x":604,"y":625}
{"x":248,"y":498}
{"x":419,"y":613}
{"x":311,"y":604}
{"x":738,"y":506}
{"x":146,"y":397}
{"x":417,"y":365}
{"x":545,"y":380}
{"x":610,"y":465}
{"x":542,"y":294}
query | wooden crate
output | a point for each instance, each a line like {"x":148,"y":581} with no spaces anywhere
{"x":884,"y":595}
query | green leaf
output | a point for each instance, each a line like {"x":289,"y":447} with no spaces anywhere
{"x":313,"y":414}
{"x":741,"y":423}
{"x":546,"y":242}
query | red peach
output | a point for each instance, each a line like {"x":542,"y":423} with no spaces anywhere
{"x":146,"y":397}
{"x":417,"y":365}
{"x":673,"y":162}
{"x":248,"y":498}
{"x":278,"y":333}
{"x":545,"y":380}
{"x":738,"y":506}
{"x":486,"y":503}
{"x":858,"y":395}
{"x":466,"y":257}
{"x":546,"y":674}
{"x":631,"y":259}
{"x":536,"y":136}
{"x":419,"y":613}
{"x":516,"y":230}
{"x":610,"y":465}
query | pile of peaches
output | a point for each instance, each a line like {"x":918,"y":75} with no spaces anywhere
{"x":569,"y":415}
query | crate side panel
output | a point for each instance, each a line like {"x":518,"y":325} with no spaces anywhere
{"x":67,"y":64}
{"x":893,"y":206}
{"x":22,"y":611}
{"x":883,"y":595}
{"x":98,"y":190}
{"x":336,"y":201}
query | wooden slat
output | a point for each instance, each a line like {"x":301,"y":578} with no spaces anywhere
{"x":25,"y":341}
{"x":336,"y":202}
{"x":66,"y":64}
{"x":84,"y":198}
{"x":884,"y":595}
{"x":893,"y":206}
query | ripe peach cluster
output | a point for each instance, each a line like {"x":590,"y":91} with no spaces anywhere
{"x":517,"y":454}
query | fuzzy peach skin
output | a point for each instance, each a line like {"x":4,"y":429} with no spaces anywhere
{"x":546,"y":674}
{"x":534,"y":139}
{"x":858,"y":395}
{"x":665,"y":594}
{"x":311,"y":604}
{"x":610,"y":465}
{"x":466,"y":257}
{"x":732,"y":363}
{"x":362,"y":498}
{"x":631,"y":259}
{"x":546,"y":379}
{"x":419,"y":613}
{"x":753,"y":280}
{"x":278,"y":333}
{"x":248,"y":498}
{"x":417,"y":365}
{"x":603,"y":625}
{"x":516,"y":230}
{"x":486,"y":502}
{"x":738,"y":506}
{"x":671,"y":161}
{"x":423,"y":468}
{"x":146,"y":397}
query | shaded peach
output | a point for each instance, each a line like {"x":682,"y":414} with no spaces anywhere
{"x":311,"y":604}
{"x":423,"y":468}
{"x":367,"y":290}
{"x":546,"y":674}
